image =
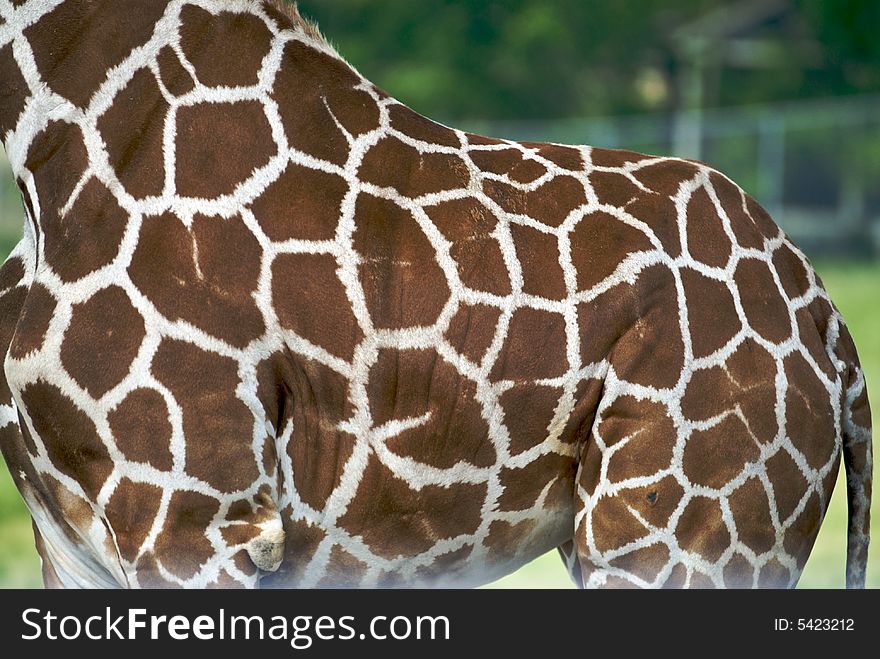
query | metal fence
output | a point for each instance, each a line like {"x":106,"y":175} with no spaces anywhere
{"x":815,"y":165}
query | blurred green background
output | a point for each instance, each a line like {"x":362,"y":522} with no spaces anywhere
{"x":782,"y":95}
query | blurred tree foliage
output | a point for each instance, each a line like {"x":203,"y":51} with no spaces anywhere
{"x":546,"y":59}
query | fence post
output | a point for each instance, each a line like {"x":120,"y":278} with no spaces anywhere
{"x":771,"y":162}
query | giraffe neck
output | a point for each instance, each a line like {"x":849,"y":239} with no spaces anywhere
{"x":60,"y":69}
{"x":59,"y":82}
{"x":48,"y":75}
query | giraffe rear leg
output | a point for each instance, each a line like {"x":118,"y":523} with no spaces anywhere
{"x":662,"y":503}
{"x":653,"y":536}
{"x":616,"y":547}
{"x":661,"y":506}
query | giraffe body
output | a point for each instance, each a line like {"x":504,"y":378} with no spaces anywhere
{"x":268,"y":326}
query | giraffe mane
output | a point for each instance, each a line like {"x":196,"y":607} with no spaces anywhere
{"x":290,"y":9}
{"x":306,"y":25}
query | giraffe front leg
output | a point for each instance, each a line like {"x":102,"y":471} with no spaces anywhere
{"x":166,"y":479}
{"x":51,"y":580}
{"x":217,"y":520}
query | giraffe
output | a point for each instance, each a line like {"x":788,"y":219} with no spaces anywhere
{"x":269,"y":327}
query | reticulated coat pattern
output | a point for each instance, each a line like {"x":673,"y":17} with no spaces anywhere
{"x":262,"y":306}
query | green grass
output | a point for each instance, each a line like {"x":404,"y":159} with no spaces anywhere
{"x":19,"y":564}
{"x":855,"y":289}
